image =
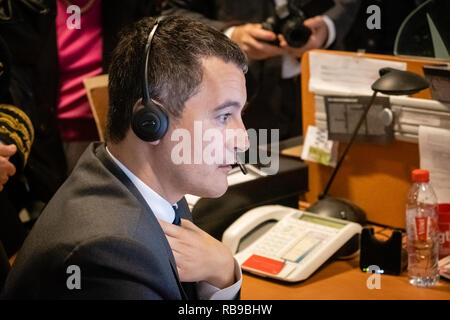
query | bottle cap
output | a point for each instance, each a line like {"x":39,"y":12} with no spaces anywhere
{"x":420,"y":175}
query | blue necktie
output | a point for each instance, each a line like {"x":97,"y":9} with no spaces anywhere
{"x":177,"y":219}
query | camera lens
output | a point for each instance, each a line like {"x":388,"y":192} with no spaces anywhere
{"x":295,"y":33}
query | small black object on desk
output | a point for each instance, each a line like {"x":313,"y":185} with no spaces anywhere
{"x":388,"y":256}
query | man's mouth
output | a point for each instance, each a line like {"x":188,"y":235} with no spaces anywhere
{"x":227,"y":166}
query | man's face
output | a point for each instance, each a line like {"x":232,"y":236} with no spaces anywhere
{"x":200,"y":147}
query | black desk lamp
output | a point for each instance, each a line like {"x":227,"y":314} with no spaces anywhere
{"x":391,"y":82}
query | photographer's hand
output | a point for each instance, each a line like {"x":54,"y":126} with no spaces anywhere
{"x":317,"y":40}
{"x":7,"y":169}
{"x":252,"y":39}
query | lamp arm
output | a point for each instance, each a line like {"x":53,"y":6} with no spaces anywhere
{"x":349,"y":144}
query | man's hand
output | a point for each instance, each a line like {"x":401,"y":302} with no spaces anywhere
{"x":252,"y":39}
{"x":199,"y":256}
{"x":7,"y":169}
{"x":318,"y":38}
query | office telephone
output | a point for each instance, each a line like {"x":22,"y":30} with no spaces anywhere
{"x":297,"y":244}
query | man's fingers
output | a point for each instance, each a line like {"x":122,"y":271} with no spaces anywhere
{"x":174,"y":245}
{"x":175,"y":231}
{"x":269,"y":49}
{"x":178,"y":262}
{"x":263,"y":50}
{"x":181,"y":260}
{"x":259,"y":33}
{"x":6,"y":167}
{"x":7,"y":150}
{"x":169,"y":228}
{"x":255,"y":41}
{"x":282,"y":41}
{"x":314,"y":22}
{"x":10,"y":169}
{"x":319,"y":31}
{"x":3,"y":179}
{"x":187,"y":224}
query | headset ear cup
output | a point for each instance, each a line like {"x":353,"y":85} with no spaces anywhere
{"x":150,"y":122}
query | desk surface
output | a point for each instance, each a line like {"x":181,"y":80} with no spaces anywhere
{"x":340,"y":280}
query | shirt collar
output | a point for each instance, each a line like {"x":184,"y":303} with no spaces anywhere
{"x":160,"y":206}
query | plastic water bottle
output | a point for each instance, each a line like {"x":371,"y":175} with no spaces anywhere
{"x":422,"y":231}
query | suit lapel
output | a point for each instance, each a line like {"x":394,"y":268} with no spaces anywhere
{"x":106,"y":160}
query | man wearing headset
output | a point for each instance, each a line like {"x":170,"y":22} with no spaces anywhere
{"x":119,"y":227}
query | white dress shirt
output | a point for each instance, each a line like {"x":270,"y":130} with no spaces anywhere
{"x":163,"y":210}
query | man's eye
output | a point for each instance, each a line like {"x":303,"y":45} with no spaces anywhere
{"x":224,"y":117}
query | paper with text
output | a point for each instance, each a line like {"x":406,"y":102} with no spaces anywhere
{"x":317,"y":147}
{"x":434,"y":147}
{"x":348,"y":75}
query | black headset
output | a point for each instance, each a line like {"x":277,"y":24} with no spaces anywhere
{"x":149,"y":122}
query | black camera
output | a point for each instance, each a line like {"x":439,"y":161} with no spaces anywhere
{"x":289,"y":19}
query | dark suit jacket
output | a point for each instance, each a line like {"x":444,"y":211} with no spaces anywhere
{"x":273,"y":102}
{"x":99,"y":222}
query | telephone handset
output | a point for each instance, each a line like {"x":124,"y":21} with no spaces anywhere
{"x":294,"y":247}
{"x":249,"y":221}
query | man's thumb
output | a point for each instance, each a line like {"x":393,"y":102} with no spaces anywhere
{"x":7,"y":150}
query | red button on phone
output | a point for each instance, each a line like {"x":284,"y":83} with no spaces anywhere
{"x":264,"y":264}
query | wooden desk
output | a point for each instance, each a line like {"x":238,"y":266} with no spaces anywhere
{"x":340,"y":280}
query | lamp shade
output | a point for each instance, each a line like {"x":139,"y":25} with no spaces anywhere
{"x":398,"y":82}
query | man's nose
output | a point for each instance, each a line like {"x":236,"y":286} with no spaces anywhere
{"x":240,"y":141}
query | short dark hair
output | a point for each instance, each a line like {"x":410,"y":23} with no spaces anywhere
{"x":175,"y":66}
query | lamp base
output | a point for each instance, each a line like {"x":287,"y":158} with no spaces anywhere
{"x":341,"y":209}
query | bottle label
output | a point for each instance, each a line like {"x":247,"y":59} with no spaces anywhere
{"x":422,"y":225}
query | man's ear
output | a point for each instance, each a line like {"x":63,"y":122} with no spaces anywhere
{"x":137,"y":105}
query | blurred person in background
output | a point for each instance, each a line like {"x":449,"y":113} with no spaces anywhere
{"x":49,"y":59}
{"x":273,"y":81}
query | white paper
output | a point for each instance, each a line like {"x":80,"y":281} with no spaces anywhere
{"x":434,"y":147}
{"x":339,"y":74}
{"x":419,"y":118}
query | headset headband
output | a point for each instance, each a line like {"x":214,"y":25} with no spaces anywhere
{"x":148,"y":47}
